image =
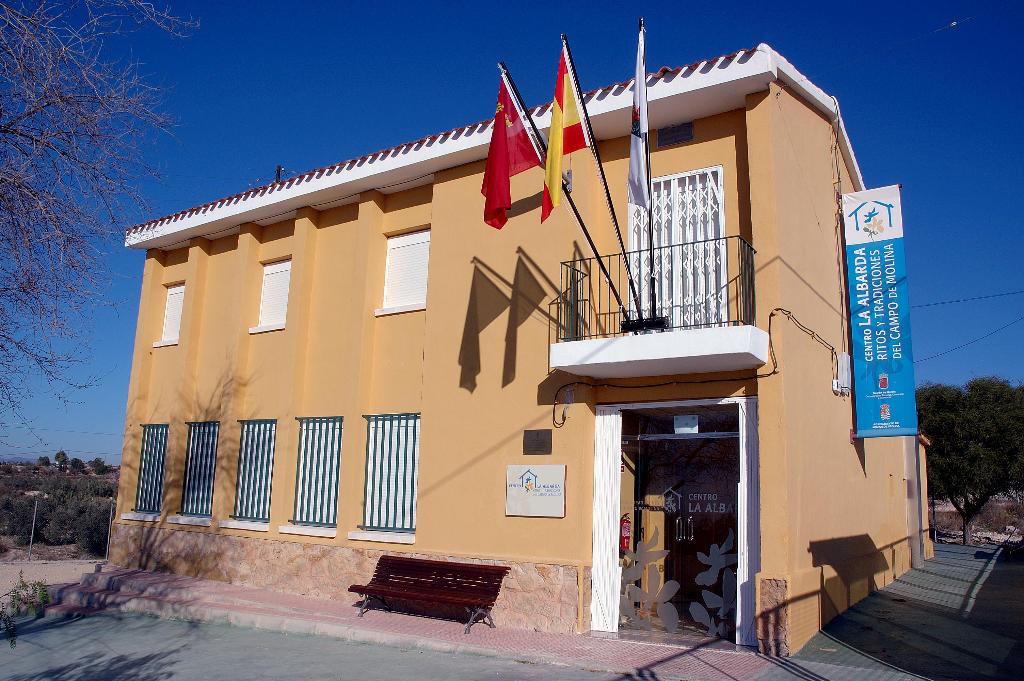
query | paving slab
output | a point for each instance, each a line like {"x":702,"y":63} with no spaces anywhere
{"x":961,"y":616}
{"x":120,"y":647}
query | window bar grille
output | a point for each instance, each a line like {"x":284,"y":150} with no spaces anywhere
{"x":316,"y":479}
{"x":200,"y":467}
{"x":150,"y":490}
{"x":392,"y":462}
{"x":255,"y":470}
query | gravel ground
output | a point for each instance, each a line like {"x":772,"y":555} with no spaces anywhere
{"x":48,"y":572}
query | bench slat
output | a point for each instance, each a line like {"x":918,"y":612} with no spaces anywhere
{"x":434,"y":580}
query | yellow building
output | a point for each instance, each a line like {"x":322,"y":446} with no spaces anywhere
{"x":349,"y":362}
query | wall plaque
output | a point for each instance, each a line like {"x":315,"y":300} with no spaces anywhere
{"x":537,"y":441}
{"x":536,"y":491}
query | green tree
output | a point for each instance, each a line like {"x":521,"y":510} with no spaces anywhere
{"x":977,"y":434}
{"x":43,"y":462}
{"x":76,"y":465}
{"x":61,"y":459}
{"x":99,"y":466}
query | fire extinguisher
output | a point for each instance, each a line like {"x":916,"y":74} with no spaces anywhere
{"x":625,"y":533}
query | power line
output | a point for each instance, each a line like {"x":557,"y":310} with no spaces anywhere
{"x":57,"y":430}
{"x":972,"y":342}
{"x":966,"y":300}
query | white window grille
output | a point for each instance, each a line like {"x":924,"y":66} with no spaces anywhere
{"x":405,"y":282}
{"x":690,"y":249}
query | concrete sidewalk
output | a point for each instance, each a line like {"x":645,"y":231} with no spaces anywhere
{"x":128,"y":591}
{"x":959,"y":617}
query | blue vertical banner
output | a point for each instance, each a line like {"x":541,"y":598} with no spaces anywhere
{"x":876,"y":271}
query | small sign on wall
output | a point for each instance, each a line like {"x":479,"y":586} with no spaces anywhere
{"x":537,"y":441}
{"x":535,"y":491}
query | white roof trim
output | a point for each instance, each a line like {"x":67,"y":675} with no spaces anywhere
{"x":696,"y":91}
{"x":826,"y":103}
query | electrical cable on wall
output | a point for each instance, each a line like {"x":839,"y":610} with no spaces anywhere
{"x":775,"y":369}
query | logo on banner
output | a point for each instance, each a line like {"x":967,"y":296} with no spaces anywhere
{"x":873,"y":217}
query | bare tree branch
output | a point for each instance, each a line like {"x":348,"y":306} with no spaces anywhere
{"x":72,"y":121}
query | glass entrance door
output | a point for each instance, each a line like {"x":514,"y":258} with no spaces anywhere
{"x":681,"y":572}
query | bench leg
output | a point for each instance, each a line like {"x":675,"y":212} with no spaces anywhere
{"x":473,"y":614}
{"x":365,"y":605}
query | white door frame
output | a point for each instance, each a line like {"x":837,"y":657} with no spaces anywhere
{"x":605,"y":569}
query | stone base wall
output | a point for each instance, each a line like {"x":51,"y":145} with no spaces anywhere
{"x":534,"y":596}
{"x":773,"y":617}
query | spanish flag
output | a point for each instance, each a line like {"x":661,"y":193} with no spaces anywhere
{"x":567,"y":134}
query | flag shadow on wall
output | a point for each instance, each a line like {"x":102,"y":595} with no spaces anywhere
{"x":488,"y":300}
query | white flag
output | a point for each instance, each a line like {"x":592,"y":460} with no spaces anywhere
{"x":639,"y":181}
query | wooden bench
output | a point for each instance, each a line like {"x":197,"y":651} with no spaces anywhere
{"x":474,"y":587}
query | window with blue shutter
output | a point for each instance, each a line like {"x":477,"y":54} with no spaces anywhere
{"x":255,"y":469}
{"x":316,"y":479}
{"x":150,"y":491}
{"x":200,"y":465}
{"x":392,"y":464}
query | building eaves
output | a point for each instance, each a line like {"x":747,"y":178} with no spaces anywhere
{"x":451,"y":148}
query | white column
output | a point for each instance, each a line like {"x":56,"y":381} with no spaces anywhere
{"x":748,"y":513}
{"x":606,"y":573}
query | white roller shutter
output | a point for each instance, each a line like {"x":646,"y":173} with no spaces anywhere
{"x":406,"y":280}
{"x":172,"y":312}
{"x":274,"y":299}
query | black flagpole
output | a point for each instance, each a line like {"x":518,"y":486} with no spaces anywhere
{"x":565,"y":190}
{"x":604,"y":180}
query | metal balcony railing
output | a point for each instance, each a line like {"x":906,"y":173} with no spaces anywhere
{"x":699,"y":284}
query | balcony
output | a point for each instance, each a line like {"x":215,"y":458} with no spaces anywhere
{"x":705,"y":293}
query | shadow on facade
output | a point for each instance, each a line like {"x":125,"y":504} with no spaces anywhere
{"x":183,"y":550}
{"x":490,"y":296}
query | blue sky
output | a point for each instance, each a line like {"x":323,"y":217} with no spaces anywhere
{"x":308,"y":84}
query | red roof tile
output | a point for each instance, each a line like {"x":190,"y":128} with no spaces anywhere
{"x":351,"y":163}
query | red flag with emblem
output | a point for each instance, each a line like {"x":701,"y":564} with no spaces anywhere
{"x":511,"y":152}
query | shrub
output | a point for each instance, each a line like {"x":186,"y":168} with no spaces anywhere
{"x":60,"y":520}
{"x":16,"y":517}
{"x":76,"y":465}
{"x":92,"y":527}
{"x":99,"y":466}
